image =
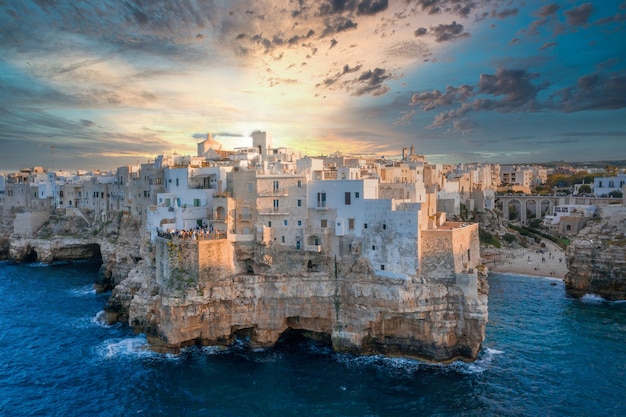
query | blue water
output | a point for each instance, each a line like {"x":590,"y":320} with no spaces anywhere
{"x":545,"y":354}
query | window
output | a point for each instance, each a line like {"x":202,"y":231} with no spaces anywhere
{"x":350,"y":224}
{"x":196,"y":202}
{"x":269,"y":224}
{"x":356,"y":194}
{"x":364,"y":225}
{"x":373,"y":247}
{"x":285,"y":222}
{"x":282,"y":238}
{"x":299,"y":184}
{"x":297,"y":244}
{"x":347,"y":198}
{"x":382,"y":267}
{"x":384,"y":226}
{"x":323,"y":223}
{"x":275,"y":205}
{"x":177,"y":182}
{"x":299,"y":222}
{"x":275,"y":186}
{"x":299,"y":203}
{"x":321,"y":199}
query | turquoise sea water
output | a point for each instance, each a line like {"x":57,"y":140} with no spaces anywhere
{"x":545,"y":354}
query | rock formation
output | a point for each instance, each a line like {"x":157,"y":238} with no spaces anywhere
{"x":597,"y":257}
{"x":115,"y":242}
{"x":213,"y":292}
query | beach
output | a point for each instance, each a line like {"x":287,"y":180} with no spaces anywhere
{"x":548,"y":261}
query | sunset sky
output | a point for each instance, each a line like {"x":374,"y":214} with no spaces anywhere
{"x":98,"y":84}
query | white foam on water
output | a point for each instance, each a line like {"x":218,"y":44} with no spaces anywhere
{"x":136,"y":346}
{"x":38,"y":265}
{"x":99,"y":320}
{"x":396,"y":366}
{"x":592,"y":298}
{"x":83,"y":291}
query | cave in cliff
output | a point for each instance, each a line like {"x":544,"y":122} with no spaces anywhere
{"x":30,"y":256}
{"x":87,"y":252}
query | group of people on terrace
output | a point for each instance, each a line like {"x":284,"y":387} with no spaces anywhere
{"x":199,"y":233}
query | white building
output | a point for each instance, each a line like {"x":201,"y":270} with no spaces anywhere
{"x":602,"y":186}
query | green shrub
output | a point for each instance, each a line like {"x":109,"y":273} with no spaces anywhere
{"x":487,"y":238}
{"x":509,"y":237}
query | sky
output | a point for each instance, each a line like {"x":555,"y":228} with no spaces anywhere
{"x":99,"y":84}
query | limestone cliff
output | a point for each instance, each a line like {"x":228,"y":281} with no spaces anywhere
{"x":80,"y":235}
{"x":258,"y":293}
{"x":597,"y":257}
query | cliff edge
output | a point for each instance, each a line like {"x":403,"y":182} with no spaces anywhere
{"x":217,"y":292}
{"x":597,"y":257}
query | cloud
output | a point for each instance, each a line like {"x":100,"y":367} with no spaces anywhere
{"x":592,"y":92}
{"x":505,"y":91}
{"x":449,"y":32}
{"x":579,"y":16}
{"x":548,"y":45}
{"x":515,"y":91}
{"x":370,"y":82}
{"x":505,"y":13}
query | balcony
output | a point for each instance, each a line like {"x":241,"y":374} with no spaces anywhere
{"x":313,"y":248}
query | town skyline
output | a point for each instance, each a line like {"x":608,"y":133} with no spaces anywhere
{"x":100,"y":85}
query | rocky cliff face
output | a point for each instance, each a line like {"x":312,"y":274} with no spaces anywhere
{"x":597,"y":257}
{"x":116,"y":242}
{"x":269,"y":293}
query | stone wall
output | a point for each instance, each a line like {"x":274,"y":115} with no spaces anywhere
{"x":438,"y":259}
{"x":26,"y":224}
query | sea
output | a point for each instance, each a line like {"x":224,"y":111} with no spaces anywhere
{"x":545,"y":354}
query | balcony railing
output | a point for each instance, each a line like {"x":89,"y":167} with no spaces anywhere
{"x":313,"y":248}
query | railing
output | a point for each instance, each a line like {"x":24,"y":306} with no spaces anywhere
{"x":313,"y":248}
{"x":191,"y":234}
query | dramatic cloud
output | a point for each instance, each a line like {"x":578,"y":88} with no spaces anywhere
{"x":592,"y":92}
{"x":517,"y":91}
{"x":113,"y":81}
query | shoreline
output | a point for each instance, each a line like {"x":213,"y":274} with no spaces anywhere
{"x":534,"y":261}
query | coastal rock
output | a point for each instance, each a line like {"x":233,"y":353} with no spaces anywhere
{"x":597,"y":257}
{"x":116,"y":242}
{"x":439,"y":319}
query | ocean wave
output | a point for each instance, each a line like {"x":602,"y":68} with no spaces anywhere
{"x":83,"y":291}
{"x":136,"y":346}
{"x":597,"y":299}
{"x":592,"y":299}
{"x":395,"y":366}
{"x":100,"y":320}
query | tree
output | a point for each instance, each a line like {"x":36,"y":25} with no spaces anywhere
{"x":584,"y":189}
